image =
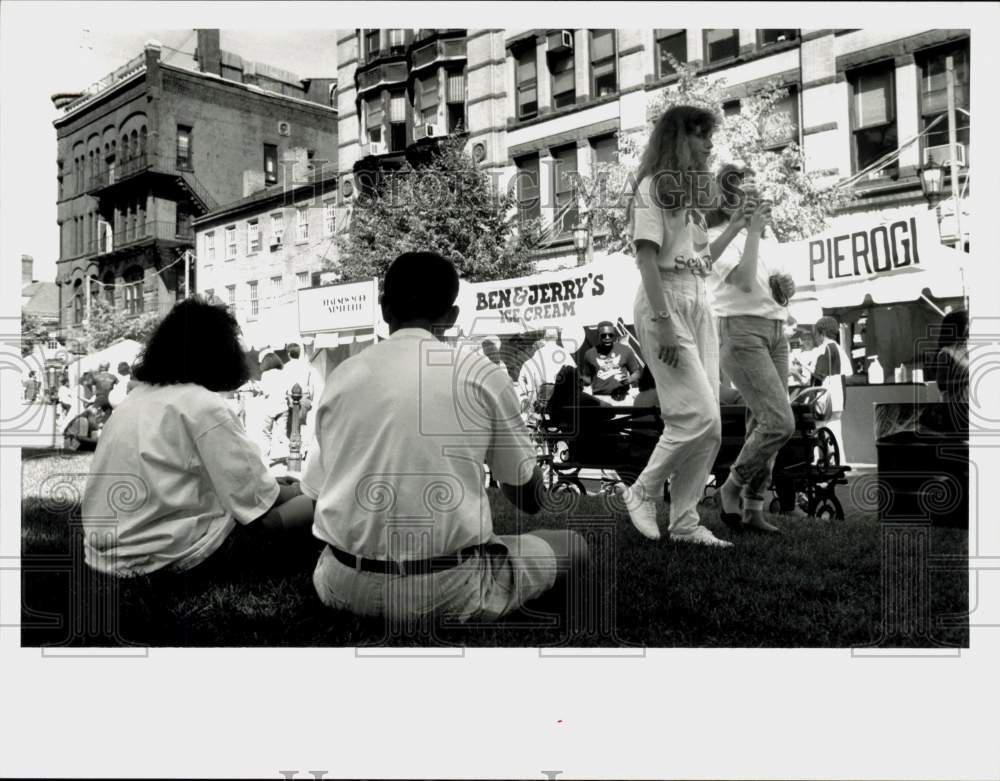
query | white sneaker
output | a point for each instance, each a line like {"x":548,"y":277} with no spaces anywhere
{"x":642,"y":513}
{"x":701,"y":536}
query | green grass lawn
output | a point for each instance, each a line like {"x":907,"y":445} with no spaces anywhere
{"x":820,"y":584}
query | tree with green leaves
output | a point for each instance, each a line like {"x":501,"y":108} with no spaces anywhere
{"x":448,"y":205}
{"x":107,"y":325}
{"x":34,"y":330}
{"x":802,"y":203}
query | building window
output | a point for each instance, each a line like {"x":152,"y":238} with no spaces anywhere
{"x":397,"y":122}
{"x":59,"y":180}
{"x":183,"y":147}
{"x":563,"y":80}
{"x":230,"y":242}
{"x":277,"y":229}
{"x":372,"y":42}
{"x":564,"y":187}
{"x":527,"y":83}
{"x":731,"y":108}
{"x":373,"y":119}
{"x":270,"y":164}
{"x":603,"y":70}
{"x":427,"y":96}
{"x":253,"y":236}
{"x":771,"y":37}
{"x":231,"y":298}
{"x":721,"y":45}
{"x":329,"y":219}
{"x":301,"y":223}
{"x":673,"y":42}
{"x":456,"y":102}
{"x":528,"y":202}
{"x":109,"y":289}
{"x":873,"y":116}
{"x":254,"y":302}
{"x":781,"y":124}
{"x":397,"y":37}
{"x":133,"y":290}
{"x":934,"y":95}
{"x":605,"y":150}
{"x":302,"y":279}
{"x":210,"y":246}
{"x":78,"y":303}
{"x":276,"y":286}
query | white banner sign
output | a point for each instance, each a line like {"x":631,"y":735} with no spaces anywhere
{"x":342,"y":307}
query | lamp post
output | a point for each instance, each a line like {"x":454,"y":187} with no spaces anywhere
{"x":932,"y":183}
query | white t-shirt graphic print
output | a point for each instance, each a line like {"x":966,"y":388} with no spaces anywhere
{"x":681,"y":234}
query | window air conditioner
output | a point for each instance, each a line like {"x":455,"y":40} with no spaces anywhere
{"x":560,"y":41}
{"x":941,"y":155}
{"x":275,"y":243}
{"x":430,"y":131}
{"x":376,"y":148}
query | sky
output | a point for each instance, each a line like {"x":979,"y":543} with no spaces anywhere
{"x":71,"y":57}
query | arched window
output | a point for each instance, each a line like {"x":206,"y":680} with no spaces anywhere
{"x":125,"y":147}
{"x":135,"y":143}
{"x":109,"y":288}
{"x":133,"y":290}
{"x":142,"y":140}
{"x":78,"y":302}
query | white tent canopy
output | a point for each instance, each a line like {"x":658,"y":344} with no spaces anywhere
{"x":568,"y":299}
{"x":126,"y":350}
{"x":873,"y":259}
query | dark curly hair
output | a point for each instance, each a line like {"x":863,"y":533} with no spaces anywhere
{"x":196,"y":342}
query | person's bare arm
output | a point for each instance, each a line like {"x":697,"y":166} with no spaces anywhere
{"x":291,"y":510}
{"x":526,"y":497}
{"x":746,"y":271}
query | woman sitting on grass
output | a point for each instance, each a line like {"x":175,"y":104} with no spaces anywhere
{"x":174,"y":473}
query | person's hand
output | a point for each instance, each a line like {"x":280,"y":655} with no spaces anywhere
{"x":761,"y":216}
{"x":668,"y":347}
{"x":787,"y":285}
{"x":286,"y":480}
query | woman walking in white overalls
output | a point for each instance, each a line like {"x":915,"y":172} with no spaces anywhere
{"x":673,"y":320}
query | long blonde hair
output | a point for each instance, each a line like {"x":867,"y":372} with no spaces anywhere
{"x":669,"y":148}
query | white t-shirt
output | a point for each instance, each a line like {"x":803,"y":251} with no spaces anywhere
{"x":172,"y":474}
{"x":728,"y":300}
{"x":299,"y":371}
{"x":402,"y":432}
{"x":680,"y":234}
{"x":543,"y":367}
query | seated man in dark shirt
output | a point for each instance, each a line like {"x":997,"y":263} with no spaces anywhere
{"x":610,"y":368}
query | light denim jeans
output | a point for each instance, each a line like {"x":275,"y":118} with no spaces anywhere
{"x":754,"y":354}
{"x":689,"y":398}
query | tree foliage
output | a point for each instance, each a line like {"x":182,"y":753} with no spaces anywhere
{"x":107,"y":325}
{"x":448,"y":205}
{"x":802,"y":203}
{"x":34,"y":331}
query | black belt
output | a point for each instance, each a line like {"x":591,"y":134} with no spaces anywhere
{"x":414,"y":567}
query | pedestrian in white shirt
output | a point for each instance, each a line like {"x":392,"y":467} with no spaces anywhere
{"x":402,"y":431}
{"x":749,"y":293}
{"x":174,"y":474}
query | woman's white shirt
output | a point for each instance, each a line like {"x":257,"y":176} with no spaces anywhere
{"x":172,"y":475}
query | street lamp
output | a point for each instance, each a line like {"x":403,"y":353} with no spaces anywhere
{"x":932,"y":182}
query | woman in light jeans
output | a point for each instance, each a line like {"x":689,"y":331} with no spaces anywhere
{"x":753,"y":347}
{"x":674,"y":323}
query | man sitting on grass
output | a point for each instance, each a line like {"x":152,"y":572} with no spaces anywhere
{"x":402,"y":431}
{"x":174,"y":475}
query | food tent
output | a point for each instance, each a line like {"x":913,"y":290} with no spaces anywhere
{"x":340,"y":320}
{"x":889,"y":269}
{"x":126,"y":350}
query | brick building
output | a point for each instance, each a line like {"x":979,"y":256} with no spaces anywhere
{"x":255,"y":253}
{"x":541,"y":103}
{"x":154,"y":145}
